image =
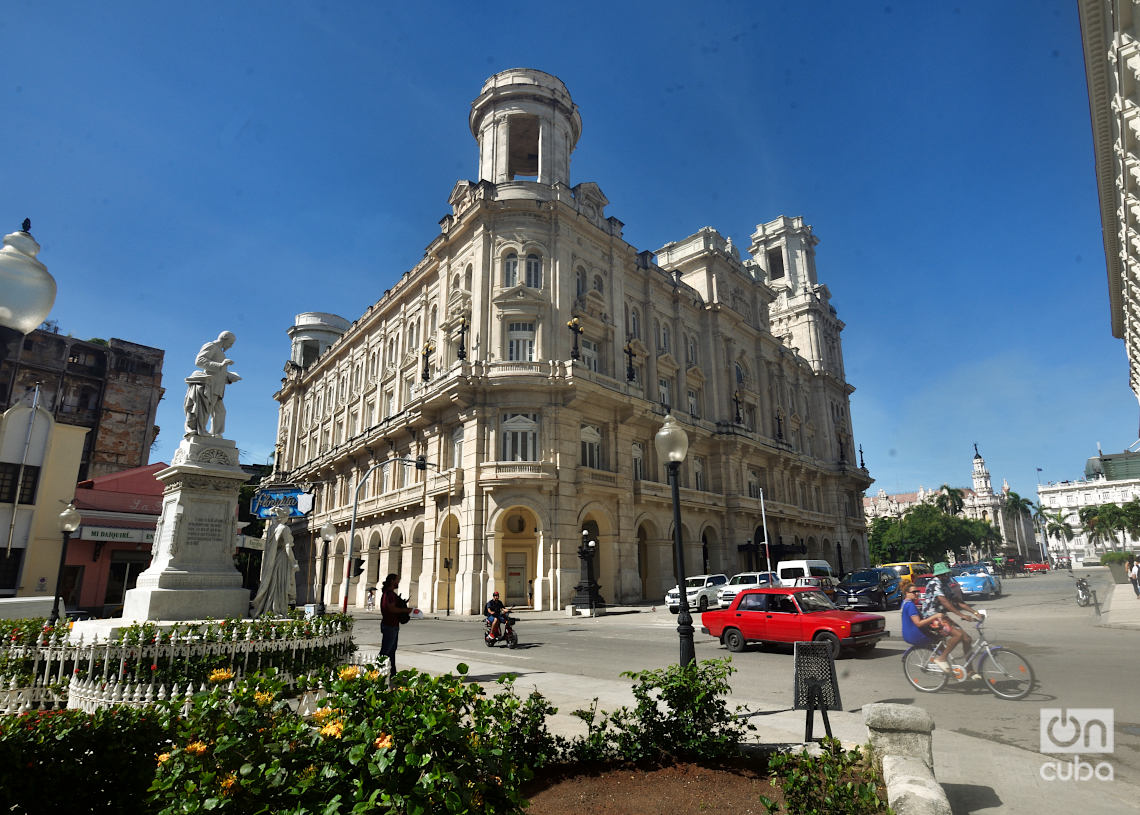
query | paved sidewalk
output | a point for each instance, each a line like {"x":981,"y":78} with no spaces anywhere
{"x":979,"y":776}
{"x":1121,"y":608}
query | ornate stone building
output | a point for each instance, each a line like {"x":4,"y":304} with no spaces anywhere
{"x":530,"y":357}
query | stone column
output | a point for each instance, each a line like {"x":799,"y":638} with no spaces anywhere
{"x":192,"y":574}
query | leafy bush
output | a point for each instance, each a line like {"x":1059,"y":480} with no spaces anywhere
{"x":1115,"y":557}
{"x":836,"y":780}
{"x":71,"y":761}
{"x":428,"y":745}
{"x":681,"y":712}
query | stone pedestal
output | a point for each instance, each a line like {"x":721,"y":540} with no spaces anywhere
{"x":192,"y":574}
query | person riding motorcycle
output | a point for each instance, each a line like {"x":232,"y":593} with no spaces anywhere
{"x":494,"y":609}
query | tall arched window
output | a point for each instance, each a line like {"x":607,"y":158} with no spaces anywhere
{"x":534,"y":271}
{"x":579,"y":282}
{"x":599,"y":287}
{"x":739,"y":374}
{"x":665,"y":339}
{"x":510,"y":270}
{"x":432,"y":323}
{"x":635,"y":323}
{"x":467,"y":277}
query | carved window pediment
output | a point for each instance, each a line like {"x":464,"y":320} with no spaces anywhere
{"x":667,"y":364}
{"x":520,"y":295}
{"x":695,"y":375}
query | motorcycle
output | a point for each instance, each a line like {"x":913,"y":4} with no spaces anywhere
{"x":506,"y":631}
{"x":1084,"y":596}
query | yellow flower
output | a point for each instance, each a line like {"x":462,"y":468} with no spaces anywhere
{"x":228,"y":782}
{"x":163,"y":758}
{"x":221,"y":675}
{"x":373,"y":675}
{"x":351,"y":672}
{"x":323,"y":713}
{"x":383,"y":741}
{"x":309,"y":771}
{"x":333,"y":729}
{"x":473,"y":738}
{"x":263,"y":698}
{"x":196,"y":748}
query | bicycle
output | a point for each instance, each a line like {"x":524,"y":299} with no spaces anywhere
{"x":1004,"y":671}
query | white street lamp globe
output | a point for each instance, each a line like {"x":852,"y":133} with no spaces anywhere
{"x":70,"y":518}
{"x":328,"y":532}
{"x":671,"y":441}
{"x":29,"y":290}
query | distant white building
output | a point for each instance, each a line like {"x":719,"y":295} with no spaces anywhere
{"x":1109,"y":479}
{"x":980,"y":503}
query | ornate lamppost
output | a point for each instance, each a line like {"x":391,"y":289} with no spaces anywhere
{"x":461,"y":352}
{"x":576,"y":329}
{"x":736,"y":402}
{"x":672,"y":444}
{"x":328,"y":532}
{"x":630,"y":374}
{"x":587,"y":589}
{"x":429,"y":347}
{"x":69,"y":521}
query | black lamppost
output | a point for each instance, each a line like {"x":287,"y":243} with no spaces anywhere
{"x":429,"y":347}
{"x":736,"y":401}
{"x":587,"y":589}
{"x":328,"y":532}
{"x":576,"y":329}
{"x":69,"y":521}
{"x":672,"y":444}
{"x":630,"y":374}
{"x":461,"y":352}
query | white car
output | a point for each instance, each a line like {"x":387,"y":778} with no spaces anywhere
{"x":745,"y":580}
{"x":700,"y":590}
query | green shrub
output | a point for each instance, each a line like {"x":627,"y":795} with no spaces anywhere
{"x":828,"y":783}
{"x":71,"y":761}
{"x":428,"y":745}
{"x":681,"y":712}
{"x":1115,"y":557}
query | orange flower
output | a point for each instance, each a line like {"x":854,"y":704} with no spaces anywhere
{"x":320,"y":714}
{"x":228,"y":782}
{"x":163,"y":758}
{"x":263,"y":698}
{"x":383,"y":742}
{"x":333,"y":729}
{"x":196,"y":748}
{"x":221,"y":675}
{"x":350,"y":672}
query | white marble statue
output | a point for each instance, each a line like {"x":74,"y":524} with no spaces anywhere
{"x":278,"y":588}
{"x":206,"y":387}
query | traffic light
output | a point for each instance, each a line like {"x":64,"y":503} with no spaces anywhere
{"x":357,"y":566}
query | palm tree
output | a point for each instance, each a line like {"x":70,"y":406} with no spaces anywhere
{"x":1113,"y":519}
{"x":1019,"y":507}
{"x":950,"y":499}
{"x":1057,"y":527}
{"x":1093,"y":523}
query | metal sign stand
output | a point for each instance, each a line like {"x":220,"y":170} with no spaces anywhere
{"x":816,"y":686}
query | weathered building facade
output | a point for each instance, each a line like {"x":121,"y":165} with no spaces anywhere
{"x":113,"y":388}
{"x":528,"y":360}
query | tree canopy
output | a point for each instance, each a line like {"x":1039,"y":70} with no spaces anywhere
{"x":926,"y":533}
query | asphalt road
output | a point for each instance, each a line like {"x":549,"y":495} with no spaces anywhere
{"x":1076,"y":663}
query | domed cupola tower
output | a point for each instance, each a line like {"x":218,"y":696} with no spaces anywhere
{"x":982,"y":484}
{"x":527,"y":126}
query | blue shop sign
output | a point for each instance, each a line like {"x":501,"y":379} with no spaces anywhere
{"x":265,"y":501}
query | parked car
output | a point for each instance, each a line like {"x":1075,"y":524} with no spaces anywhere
{"x":791,"y":615}
{"x":869,"y":588}
{"x":828,"y":585}
{"x":908,"y":570}
{"x":700,"y":590}
{"x":744,"y":580}
{"x":976,"y":581}
{"x":1034,"y":568}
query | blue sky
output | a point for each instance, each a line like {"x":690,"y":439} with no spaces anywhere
{"x":190,"y":168}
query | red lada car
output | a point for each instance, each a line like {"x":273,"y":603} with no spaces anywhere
{"x":791,"y":615}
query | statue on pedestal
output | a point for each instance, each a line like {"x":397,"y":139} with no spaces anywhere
{"x":278,"y":588}
{"x":206,"y":387}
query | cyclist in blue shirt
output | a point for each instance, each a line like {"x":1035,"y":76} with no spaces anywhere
{"x":919,"y":630}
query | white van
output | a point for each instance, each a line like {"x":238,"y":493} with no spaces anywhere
{"x":789,"y":570}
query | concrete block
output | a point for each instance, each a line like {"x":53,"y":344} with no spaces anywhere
{"x":900,"y":730}
{"x":911,"y":787}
